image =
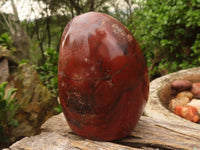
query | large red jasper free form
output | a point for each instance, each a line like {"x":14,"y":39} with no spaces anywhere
{"x":102,"y":77}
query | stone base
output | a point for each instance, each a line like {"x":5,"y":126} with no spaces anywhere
{"x":161,"y":93}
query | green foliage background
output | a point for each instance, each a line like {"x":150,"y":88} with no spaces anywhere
{"x":167,"y":31}
{"x":169,"y":34}
{"x":8,"y":108}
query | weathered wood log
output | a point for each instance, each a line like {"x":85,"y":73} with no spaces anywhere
{"x":164,"y":135}
{"x":56,"y":135}
{"x":148,"y":134}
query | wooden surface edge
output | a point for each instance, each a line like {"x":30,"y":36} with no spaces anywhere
{"x":149,"y":134}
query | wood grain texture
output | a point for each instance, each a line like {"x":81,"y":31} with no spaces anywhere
{"x":149,"y":134}
{"x":157,"y":134}
{"x":56,"y":135}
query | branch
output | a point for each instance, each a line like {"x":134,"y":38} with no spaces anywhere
{"x":9,"y":24}
{"x":76,"y":6}
{"x":16,"y":16}
{"x":100,"y":4}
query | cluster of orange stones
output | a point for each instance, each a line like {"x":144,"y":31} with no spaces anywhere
{"x":186,"y":102}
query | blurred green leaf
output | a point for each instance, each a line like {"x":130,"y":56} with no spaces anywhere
{"x":10,"y":93}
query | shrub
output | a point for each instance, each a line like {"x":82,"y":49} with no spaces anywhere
{"x":8,"y":109}
{"x":6,"y":40}
{"x":169,"y":34}
{"x":49,"y":71}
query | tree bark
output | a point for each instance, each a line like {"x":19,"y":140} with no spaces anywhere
{"x":76,"y":6}
{"x":92,"y":5}
{"x":48,"y":20}
{"x":19,"y":36}
{"x":41,"y":40}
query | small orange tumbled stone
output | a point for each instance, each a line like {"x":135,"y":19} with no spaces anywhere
{"x":187,"y":112}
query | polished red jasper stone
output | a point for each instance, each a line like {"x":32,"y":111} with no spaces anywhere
{"x":102,"y":77}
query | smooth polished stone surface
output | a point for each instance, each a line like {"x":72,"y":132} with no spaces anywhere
{"x":196,"y":89}
{"x":181,"y":85}
{"x":102,"y":77}
{"x":187,"y":112}
{"x":185,"y":94}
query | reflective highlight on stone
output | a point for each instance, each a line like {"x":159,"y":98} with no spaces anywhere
{"x":102,"y":77}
